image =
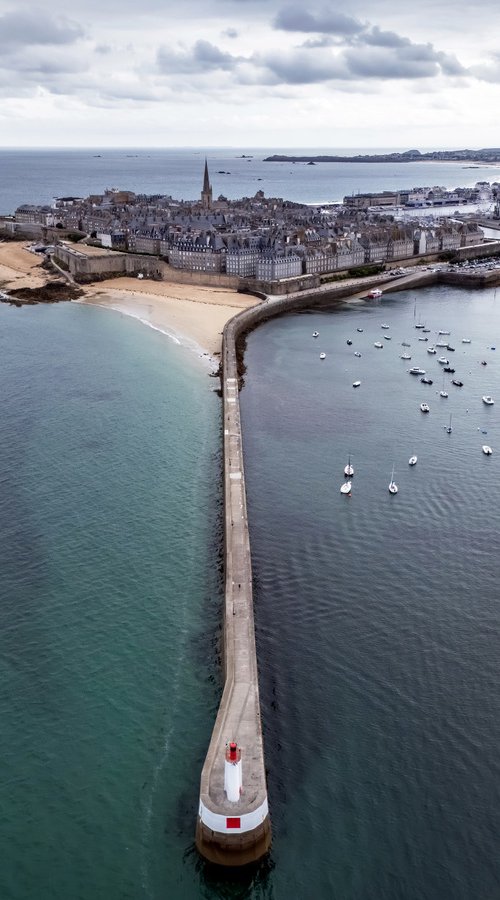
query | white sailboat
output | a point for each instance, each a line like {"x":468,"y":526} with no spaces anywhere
{"x":393,"y":488}
{"x":412,"y":461}
{"x":348,"y":469}
{"x":448,"y":427}
{"x":346,"y":487}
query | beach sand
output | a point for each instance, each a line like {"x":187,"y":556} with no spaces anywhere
{"x":190,"y":314}
{"x":19,"y":268}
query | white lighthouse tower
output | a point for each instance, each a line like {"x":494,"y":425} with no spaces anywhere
{"x":233,"y":776}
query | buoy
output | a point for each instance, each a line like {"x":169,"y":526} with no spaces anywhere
{"x":233,"y":778}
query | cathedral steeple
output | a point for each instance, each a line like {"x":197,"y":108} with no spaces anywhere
{"x":206,"y":194}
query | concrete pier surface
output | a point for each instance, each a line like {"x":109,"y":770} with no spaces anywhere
{"x":239,"y":832}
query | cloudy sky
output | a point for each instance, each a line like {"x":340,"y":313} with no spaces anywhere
{"x":250,"y":73}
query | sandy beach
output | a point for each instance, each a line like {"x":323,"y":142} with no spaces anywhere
{"x":191,"y":315}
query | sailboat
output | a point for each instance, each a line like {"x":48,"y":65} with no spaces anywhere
{"x":348,"y":469}
{"x":346,"y":487}
{"x":448,"y":428}
{"x":443,"y":393}
{"x":393,"y":488}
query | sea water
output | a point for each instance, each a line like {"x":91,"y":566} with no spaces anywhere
{"x":37,"y":176}
{"x":110,"y":603}
{"x":378,"y":621}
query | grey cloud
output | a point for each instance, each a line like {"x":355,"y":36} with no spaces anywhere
{"x":296,"y":18}
{"x":380,"y":38}
{"x":301,"y":67}
{"x":33,"y":27}
{"x":373,"y":64}
{"x":230,"y":33}
{"x":203,"y":57}
{"x":317,"y":43}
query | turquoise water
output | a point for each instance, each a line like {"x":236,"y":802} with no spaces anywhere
{"x":110,"y":604}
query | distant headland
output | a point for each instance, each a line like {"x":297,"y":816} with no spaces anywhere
{"x":487,"y":155}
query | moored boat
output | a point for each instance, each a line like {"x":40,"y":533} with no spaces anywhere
{"x":374,"y":293}
{"x":487,"y":450}
{"x":393,"y":488}
{"x":488,"y":400}
{"x":412,"y":461}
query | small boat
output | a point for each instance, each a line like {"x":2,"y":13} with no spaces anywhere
{"x":405,"y":344}
{"x":412,"y":461}
{"x":356,"y":383}
{"x":420,"y":325}
{"x":443,"y":393}
{"x":348,"y":469}
{"x":346,"y":487}
{"x":378,"y":344}
{"x":488,"y":400}
{"x":356,"y":353}
{"x":487,"y":450}
{"x":393,"y":488}
{"x":426,"y":330}
{"x":385,"y":326}
{"x":443,"y":332}
{"x":451,"y":349}
{"x":405,"y":356}
{"x":443,"y":361}
{"x":465,"y":340}
{"x":441,"y":344}
{"x":387,"y":337}
{"x":431,"y":350}
{"x":416,"y":370}
{"x":456,"y":382}
{"x":315,"y":333}
{"x":483,"y":362}
{"x":425,"y":408}
{"x":349,"y":342}
{"x":374,"y":293}
{"x":426,"y":380}
{"x":322,"y":355}
{"x":360,"y":330}
{"x":423,"y":339}
{"x":448,"y":428}
{"x":449,"y":369}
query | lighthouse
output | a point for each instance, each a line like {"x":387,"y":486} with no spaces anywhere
{"x":233,"y":776}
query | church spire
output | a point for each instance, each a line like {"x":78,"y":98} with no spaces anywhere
{"x":206,"y":194}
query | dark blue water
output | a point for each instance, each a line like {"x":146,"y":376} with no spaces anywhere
{"x":37,"y":176}
{"x":378,"y":622}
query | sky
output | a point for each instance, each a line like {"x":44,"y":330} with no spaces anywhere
{"x":371,"y":74}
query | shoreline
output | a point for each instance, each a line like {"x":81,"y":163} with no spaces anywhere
{"x":192,"y":316}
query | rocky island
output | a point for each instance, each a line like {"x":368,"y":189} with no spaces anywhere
{"x":487,"y":155}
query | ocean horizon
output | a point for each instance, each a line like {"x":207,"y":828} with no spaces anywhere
{"x":38,"y":176}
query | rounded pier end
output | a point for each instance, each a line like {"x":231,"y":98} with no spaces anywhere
{"x":233,"y":847}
